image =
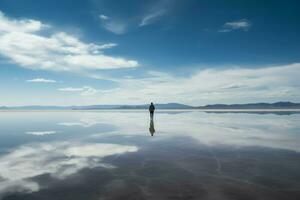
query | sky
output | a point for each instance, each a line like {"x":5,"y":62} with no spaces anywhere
{"x":196,"y":52}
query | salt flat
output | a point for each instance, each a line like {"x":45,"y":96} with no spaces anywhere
{"x":117,"y":154}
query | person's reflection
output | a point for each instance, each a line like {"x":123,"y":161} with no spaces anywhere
{"x":151,"y":128}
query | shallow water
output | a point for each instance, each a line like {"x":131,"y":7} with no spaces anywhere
{"x":113,"y":155}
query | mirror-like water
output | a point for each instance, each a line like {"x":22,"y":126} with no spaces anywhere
{"x":126,"y":155}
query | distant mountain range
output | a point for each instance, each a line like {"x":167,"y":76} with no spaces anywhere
{"x":158,"y":106}
{"x":99,"y":107}
{"x":277,"y":105}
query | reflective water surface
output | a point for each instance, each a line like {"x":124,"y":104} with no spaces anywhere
{"x":126,"y":155}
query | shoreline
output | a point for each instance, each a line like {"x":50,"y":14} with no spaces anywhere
{"x":158,"y":110}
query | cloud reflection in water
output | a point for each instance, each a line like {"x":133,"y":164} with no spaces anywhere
{"x":60,"y":159}
{"x":221,"y":147}
{"x":210,"y":129}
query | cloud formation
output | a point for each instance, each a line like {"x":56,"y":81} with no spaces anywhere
{"x":242,"y":130}
{"x":84,"y":91}
{"x":34,"y":45}
{"x":242,"y":24}
{"x":66,"y":158}
{"x":115,"y":26}
{"x":87,"y":90}
{"x":223,"y":85}
{"x":155,"y":11}
{"x":151,"y":17}
{"x":41,"y":80}
{"x":41,"y":133}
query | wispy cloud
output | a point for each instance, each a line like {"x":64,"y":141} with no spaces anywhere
{"x":84,"y":91}
{"x":107,"y":46}
{"x":151,"y":13}
{"x":115,"y":26}
{"x":41,"y":133}
{"x":151,"y":17}
{"x":242,"y":24}
{"x":24,"y":42}
{"x":87,"y":90}
{"x":156,"y":11}
{"x":41,"y":80}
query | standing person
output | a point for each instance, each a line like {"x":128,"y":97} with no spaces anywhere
{"x":151,"y":110}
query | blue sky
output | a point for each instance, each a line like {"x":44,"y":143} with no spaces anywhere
{"x":132,"y":52}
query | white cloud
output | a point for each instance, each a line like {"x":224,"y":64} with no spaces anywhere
{"x":223,"y":85}
{"x":84,"y":91}
{"x":23,"y":25}
{"x":41,"y":80}
{"x":150,"y":18}
{"x":66,"y":158}
{"x":115,"y":26}
{"x":25,"y":43}
{"x":107,"y":46}
{"x":87,"y":90}
{"x":242,"y":24}
{"x":71,"y":89}
{"x":103,"y":17}
{"x":41,"y":133}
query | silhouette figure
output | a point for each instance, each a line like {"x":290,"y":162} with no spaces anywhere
{"x":151,"y":110}
{"x":151,"y":128}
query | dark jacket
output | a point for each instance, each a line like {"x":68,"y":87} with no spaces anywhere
{"x":151,"y":108}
